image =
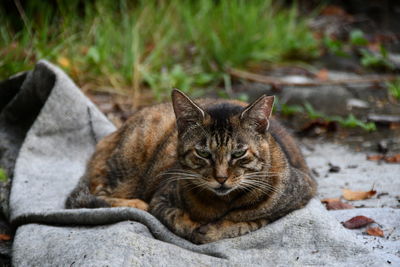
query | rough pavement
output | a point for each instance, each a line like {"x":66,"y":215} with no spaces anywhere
{"x":359,"y":174}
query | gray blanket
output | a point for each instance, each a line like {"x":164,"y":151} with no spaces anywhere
{"x":52,"y":159}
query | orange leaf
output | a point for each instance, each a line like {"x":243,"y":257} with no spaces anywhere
{"x":338,"y":205}
{"x":64,"y":62}
{"x":393,"y":159}
{"x":357,"y":222}
{"x":388,"y":159}
{"x":357,"y":195}
{"x":5,"y":237}
{"x":394,"y":125}
{"x":374,"y":46}
{"x":333,"y":10}
{"x":327,"y":200}
{"x":375,"y":231}
{"x":375,"y":157}
{"x":322,"y":75}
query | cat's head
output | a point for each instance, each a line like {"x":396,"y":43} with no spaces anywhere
{"x":223,"y":147}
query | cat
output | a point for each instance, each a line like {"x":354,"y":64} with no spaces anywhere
{"x":209,"y":170}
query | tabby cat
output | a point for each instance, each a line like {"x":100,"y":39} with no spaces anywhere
{"x":208,"y":170}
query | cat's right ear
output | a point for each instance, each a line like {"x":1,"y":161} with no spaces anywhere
{"x":186,"y":111}
{"x":257,"y":114}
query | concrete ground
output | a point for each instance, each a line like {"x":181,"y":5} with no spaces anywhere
{"x":359,"y":174}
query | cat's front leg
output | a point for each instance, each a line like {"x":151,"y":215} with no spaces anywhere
{"x":224,"y":229}
{"x":177,"y":220}
{"x":123,"y":202}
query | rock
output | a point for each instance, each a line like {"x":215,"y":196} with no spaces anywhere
{"x":356,"y":103}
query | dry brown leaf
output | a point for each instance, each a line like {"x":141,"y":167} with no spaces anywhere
{"x":374,"y":46}
{"x":388,"y":159}
{"x":327,"y":200}
{"x":357,"y":222}
{"x":375,"y":157}
{"x":375,"y":231}
{"x":337,"y":205}
{"x":322,"y":75}
{"x":5,"y":237}
{"x":357,"y":195}
{"x":393,"y":159}
{"x":333,"y":10}
{"x":64,"y":62}
{"x":394,"y":125}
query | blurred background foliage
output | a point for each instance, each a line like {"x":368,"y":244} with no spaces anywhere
{"x":128,"y":47}
{"x":127,"y":54}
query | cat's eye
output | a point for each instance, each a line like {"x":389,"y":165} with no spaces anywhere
{"x":238,"y":154}
{"x":203,"y":153}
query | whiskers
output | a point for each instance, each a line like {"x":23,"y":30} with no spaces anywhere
{"x":175,"y":175}
{"x":258,"y":181}
{"x":254,"y":182}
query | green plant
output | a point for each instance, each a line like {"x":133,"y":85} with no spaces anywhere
{"x":349,"y":122}
{"x":3,"y":175}
{"x":312,"y":113}
{"x":243,"y":97}
{"x":376,"y":60}
{"x":357,"y":38}
{"x":129,"y":45}
{"x":176,"y":77}
{"x":288,"y":110}
{"x":358,"y":42}
{"x":335,"y":46}
{"x":394,"y":88}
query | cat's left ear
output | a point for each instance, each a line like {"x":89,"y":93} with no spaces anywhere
{"x":186,"y":111}
{"x":257,"y":114}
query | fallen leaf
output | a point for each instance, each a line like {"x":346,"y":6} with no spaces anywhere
{"x":394,"y":125}
{"x":388,"y":159}
{"x":5,"y":237}
{"x":327,"y":200}
{"x":392,"y":159}
{"x":375,"y":157}
{"x":357,"y":222}
{"x":64,"y":62}
{"x":333,"y":10}
{"x":336,"y":204}
{"x":374,"y":46}
{"x":357,"y":195}
{"x":322,"y":75}
{"x":375,"y":231}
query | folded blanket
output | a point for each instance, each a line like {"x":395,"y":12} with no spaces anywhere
{"x":52,"y":159}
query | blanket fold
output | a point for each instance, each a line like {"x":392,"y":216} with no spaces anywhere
{"x":59,"y":131}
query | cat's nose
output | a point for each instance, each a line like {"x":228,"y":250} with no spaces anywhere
{"x":221,"y":179}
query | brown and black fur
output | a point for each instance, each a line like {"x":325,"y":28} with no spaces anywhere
{"x":208,"y":170}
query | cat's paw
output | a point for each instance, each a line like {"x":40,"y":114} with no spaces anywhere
{"x":133,"y":203}
{"x":206,"y":233}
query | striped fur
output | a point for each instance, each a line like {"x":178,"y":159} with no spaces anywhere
{"x":209,"y":169}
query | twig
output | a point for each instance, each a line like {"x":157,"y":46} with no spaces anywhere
{"x":92,"y":132}
{"x":23,"y":16}
{"x":274,"y":81}
{"x":384,"y":118}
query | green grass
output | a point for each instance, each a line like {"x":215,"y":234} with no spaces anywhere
{"x":131,"y":45}
{"x":374,"y":60}
{"x":3,"y":175}
{"x":347,"y":122}
{"x":394,"y":89}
